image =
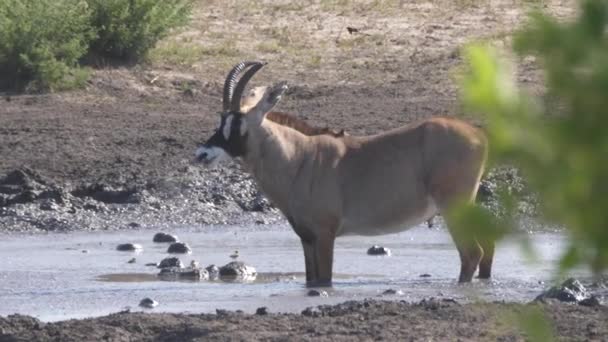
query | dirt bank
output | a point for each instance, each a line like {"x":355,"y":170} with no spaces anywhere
{"x":429,"y":320}
{"x":116,"y":154}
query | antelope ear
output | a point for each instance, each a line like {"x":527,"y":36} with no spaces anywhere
{"x":251,"y":99}
{"x":271,"y":96}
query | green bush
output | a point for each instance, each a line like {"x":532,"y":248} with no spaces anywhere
{"x":127,"y":29}
{"x":41,"y":42}
{"x":562,"y":148}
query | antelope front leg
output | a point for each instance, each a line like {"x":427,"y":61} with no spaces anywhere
{"x":309,"y":260}
{"x":319,"y":257}
{"x":323,"y":260}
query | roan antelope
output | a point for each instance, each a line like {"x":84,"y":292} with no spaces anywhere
{"x":329,"y":184}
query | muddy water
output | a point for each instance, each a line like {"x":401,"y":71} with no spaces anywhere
{"x":60,"y":276}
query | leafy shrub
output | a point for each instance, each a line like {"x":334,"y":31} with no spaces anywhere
{"x":41,"y":42}
{"x":562,"y":149}
{"x":127,"y":29}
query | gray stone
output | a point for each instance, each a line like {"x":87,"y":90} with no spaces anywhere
{"x":148,"y":303}
{"x":129,"y":247}
{"x":213,"y":270}
{"x":164,"y":237}
{"x":317,"y":293}
{"x":171,"y":262}
{"x":48,"y":205}
{"x":592,"y":301}
{"x":188,"y":273}
{"x":237,"y":269}
{"x":312,"y":312}
{"x":262,"y":311}
{"x":570,"y":290}
{"x":179,"y":248}
{"x":378,"y":250}
{"x":390,"y":292}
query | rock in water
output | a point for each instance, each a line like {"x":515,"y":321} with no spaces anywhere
{"x":171,"y":262}
{"x":262,"y":311}
{"x":188,"y":273}
{"x":237,"y":269}
{"x":570,"y":290}
{"x":164,"y":237}
{"x":213,"y":270}
{"x":390,"y":292}
{"x":148,"y":303}
{"x":317,"y":293}
{"x":179,"y":248}
{"x":129,"y":247}
{"x":378,"y":250}
{"x":592,"y":301}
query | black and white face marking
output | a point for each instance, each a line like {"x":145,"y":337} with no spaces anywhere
{"x":229,"y":140}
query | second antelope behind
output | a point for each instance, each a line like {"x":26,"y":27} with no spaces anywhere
{"x":329,"y":184}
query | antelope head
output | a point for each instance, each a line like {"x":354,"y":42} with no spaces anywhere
{"x":230,"y":138}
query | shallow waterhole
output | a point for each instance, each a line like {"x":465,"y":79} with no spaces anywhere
{"x":259,"y":278}
{"x":61,"y":276}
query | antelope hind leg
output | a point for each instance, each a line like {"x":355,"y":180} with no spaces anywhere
{"x":470,"y":254}
{"x":446,"y":190}
{"x":485,"y":266}
{"x":469,"y":250}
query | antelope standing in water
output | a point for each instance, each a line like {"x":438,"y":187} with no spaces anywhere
{"x":329,"y":184}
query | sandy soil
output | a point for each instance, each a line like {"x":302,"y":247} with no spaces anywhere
{"x":115,"y":155}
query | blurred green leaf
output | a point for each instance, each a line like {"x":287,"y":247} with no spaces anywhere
{"x":560,"y":146}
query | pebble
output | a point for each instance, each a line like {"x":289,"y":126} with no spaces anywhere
{"x":183,"y":273}
{"x":393,"y":292}
{"x":317,"y":293}
{"x":148,"y":303}
{"x":378,"y":250}
{"x":129,"y":247}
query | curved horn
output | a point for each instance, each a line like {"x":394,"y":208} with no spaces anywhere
{"x":240,"y":87}
{"x":231,"y":81}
